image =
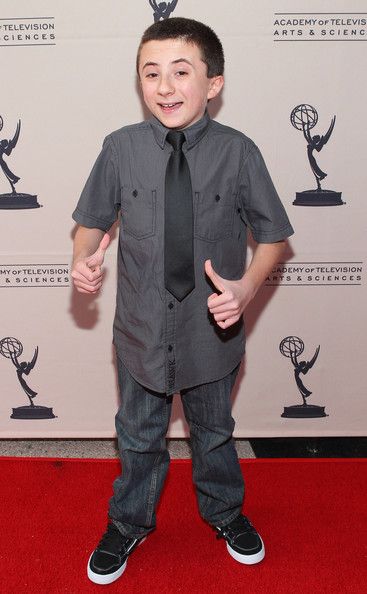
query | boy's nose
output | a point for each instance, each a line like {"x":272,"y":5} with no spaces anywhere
{"x":166,"y":86}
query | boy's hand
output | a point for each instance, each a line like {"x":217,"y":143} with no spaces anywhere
{"x":228,"y":307}
{"x":87,"y":272}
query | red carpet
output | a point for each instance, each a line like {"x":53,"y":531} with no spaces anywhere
{"x":310,"y":513}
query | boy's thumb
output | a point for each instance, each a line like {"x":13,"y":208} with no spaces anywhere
{"x":97,"y":258}
{"x":214,"y":277}
{"x":104,"y":243}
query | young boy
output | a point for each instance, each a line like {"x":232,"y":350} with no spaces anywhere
{"x":178,"y":324}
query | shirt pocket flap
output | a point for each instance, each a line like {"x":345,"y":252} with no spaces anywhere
{"x":214,"y":214}
{"x":138,"y":211}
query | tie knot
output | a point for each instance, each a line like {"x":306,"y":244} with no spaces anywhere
{"x":175,"y":139}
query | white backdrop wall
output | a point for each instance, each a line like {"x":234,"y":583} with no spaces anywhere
{"x":68,"y":73}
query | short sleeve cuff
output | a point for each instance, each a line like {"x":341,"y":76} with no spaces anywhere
{"x":272,"y":236}
{"x":90,"y":221}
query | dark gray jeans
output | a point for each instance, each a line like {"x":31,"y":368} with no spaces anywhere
{"x":141,"y":425}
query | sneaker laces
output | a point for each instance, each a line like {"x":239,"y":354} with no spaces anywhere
{"x":239,"y":524}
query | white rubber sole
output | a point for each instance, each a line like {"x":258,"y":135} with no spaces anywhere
{"x":247,"y":559}
{"x":104,"y":580}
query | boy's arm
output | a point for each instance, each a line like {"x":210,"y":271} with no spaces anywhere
{"x":228,"y":307}
{"x":89,"y":250}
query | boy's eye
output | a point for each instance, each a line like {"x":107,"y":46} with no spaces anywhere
{"x":181,"y":72}
{"x":151,"y":75}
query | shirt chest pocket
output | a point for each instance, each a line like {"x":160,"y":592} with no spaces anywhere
{"x":138,"y":211}
{"x":214,"y":215}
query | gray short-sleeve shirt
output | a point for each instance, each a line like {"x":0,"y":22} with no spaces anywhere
{"x":169,"y":345}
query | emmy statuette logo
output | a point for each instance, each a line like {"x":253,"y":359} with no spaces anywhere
{"x":13,"y":200}
{"x":162,"y":10}
{"x":12,"y":348}
{"x":304,"y":117}
{"x":292,"y":347}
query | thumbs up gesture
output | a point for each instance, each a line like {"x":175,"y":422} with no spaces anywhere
{"x":87,"y":272}
{"x":229,"y":305}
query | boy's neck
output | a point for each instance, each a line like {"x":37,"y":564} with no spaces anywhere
{"x":192,"y":133}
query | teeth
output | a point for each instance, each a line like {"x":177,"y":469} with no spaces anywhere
{"x":169,"y":104}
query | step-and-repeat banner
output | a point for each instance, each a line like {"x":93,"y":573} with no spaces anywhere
{"x":295,"y":84}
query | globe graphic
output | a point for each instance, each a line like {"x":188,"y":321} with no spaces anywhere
{"x":291,"y":345}
{"x":10,"y":346}
{"x":1,"y":123}
{"x":304,"y":114}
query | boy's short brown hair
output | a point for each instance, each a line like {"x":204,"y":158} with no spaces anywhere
{"x":192,"y":32}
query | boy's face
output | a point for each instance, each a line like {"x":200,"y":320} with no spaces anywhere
{"x":174,"y":82}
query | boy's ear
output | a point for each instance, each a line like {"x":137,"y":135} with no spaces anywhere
{"x":215,"y":86}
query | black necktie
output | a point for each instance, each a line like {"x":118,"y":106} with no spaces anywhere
{"x":179,"y":221}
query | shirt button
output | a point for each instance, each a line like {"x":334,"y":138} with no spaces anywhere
{"x":170,"y":305}
{"x":135,"y":193}
{"x":170,"y":347}
{"x":217,"y":198}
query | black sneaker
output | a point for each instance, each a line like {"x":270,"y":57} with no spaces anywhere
{"x":243,"y":542}
{"x":108,"y":562}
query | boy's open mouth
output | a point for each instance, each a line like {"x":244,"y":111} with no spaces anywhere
{"x":169,"y":107}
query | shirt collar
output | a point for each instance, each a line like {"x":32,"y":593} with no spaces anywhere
{"x":193,"y":133}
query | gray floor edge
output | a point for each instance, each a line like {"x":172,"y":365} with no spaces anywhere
{"x":95,"y":448}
